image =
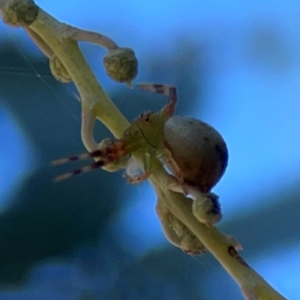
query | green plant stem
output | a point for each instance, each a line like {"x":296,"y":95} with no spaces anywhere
{"x":93,"y":97}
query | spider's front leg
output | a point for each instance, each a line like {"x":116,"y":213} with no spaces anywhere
{"x":111,"y":155}
{"x":167,"y":90}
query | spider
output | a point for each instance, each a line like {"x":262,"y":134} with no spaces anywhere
{"x":146,"y":139}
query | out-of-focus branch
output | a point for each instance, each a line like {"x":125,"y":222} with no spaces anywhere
{"x":97,"y":104}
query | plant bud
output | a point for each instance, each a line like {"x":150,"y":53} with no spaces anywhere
{"x":121,"y":64}
{"x":58,"y":70}
{"x":19,"y":13}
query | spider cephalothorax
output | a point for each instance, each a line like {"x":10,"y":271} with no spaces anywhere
{"x":194,"y":152}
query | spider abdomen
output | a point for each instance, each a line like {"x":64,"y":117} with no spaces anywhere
{"x":197,"y":149}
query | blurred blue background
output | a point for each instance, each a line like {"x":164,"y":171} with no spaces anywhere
{"x":237,"y":66}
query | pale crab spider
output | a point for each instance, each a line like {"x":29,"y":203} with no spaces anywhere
{"x":193,"y":151}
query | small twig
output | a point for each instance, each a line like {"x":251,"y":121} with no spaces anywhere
{"x":89,"y":36}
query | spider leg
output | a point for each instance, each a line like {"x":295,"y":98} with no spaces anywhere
{"x":173,"y":166}
{"x":82,"y":170}
{"x":114,"y":151}
{"x":103,"y":156}
{"x":168,"y":90}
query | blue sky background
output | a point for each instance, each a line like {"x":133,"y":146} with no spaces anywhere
{"x":252,"y":85}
